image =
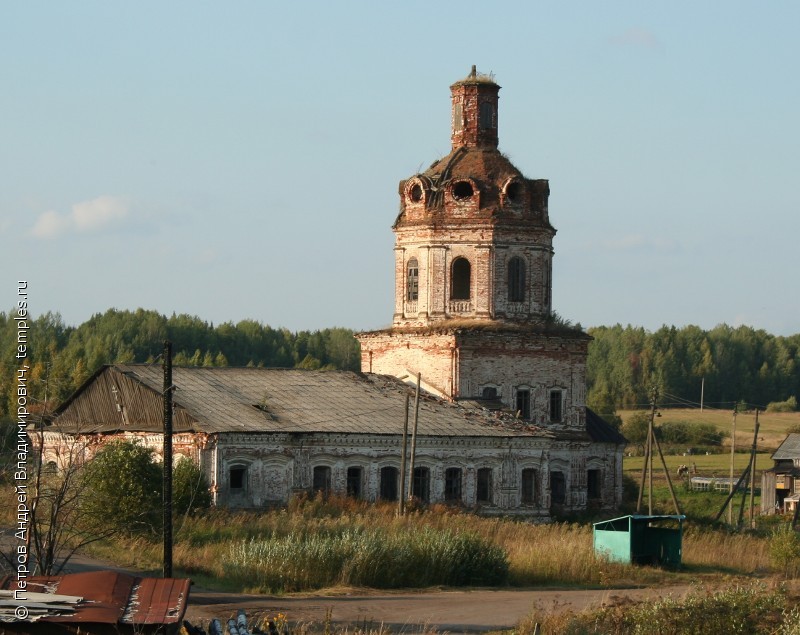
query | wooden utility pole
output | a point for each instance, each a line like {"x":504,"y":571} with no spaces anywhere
{"x":167,"y":481}
{"x":733,"y":450}
{"x":753,"y":475}
{"x":647,"y":468}
{"x":414,"y":440}
{"x":702,"y":391}
{"x":401,"y":499}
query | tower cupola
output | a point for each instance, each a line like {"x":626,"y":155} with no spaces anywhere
{"x":474,"y":111}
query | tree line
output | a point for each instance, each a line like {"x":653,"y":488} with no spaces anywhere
{"x":728,"y":365}
{"x":62,"y":357}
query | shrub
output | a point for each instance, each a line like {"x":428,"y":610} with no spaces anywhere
{"x":790,"y":405}
{"x":123,"y":489}
{"x":784,"y":551}
{"x":635,"y":428}
{"x":691,"y":433}
{"x":189,"y":487}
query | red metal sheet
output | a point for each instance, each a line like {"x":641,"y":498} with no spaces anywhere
{"x":114,"y":598}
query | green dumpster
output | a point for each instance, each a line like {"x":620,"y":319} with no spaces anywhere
{"x":641,"y":539}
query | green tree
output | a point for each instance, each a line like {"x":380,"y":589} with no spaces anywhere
{"x":123,"y":487}
{"x":635,"y":428}
{"x":189,"y":488}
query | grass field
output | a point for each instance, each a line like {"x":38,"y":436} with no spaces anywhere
{"x":773,"y":427}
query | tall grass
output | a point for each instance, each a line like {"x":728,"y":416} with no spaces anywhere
{"x":323,"y":543}
{"x":367,"y":557}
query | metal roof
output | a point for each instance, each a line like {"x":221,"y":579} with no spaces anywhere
{"x":789,"y":449}
{"x":213,"y":400}
{"x":109,"y":597}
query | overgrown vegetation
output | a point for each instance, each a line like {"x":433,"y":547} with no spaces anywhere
{"x":790,"y":405}
{"x":752,"y":609}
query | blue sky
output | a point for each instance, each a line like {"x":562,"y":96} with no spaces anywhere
{"x":241,"y":160}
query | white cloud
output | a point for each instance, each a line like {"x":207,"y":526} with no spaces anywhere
{"x":85,"y":216}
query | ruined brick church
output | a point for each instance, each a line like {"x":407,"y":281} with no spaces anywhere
{"x":503,"y":426}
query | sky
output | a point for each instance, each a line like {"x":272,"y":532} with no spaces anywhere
{"x":241,"y":160}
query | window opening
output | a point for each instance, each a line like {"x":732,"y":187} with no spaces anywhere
{"x":462,"y":272}
{"x":513,"y":192}
{"x":388,"y":486}
{"x":516,"y":280}
{"x":236,"y":477}
{"x":412,"y":282}
{"x":524,"y":403}
{"x":354,"y":482}
{"x":556,"y":414}
{"x":462,"y":190}
{"x":485,"y":117}
{"x":558,"y":488}
{"x":458,"y":117}
{"x":529,"y":486}
{"x":322,"y":479}
{"x":421,"y":487}
{"x":484,"y":489}
{"x":452,"y":484}
{"x":489,"y":392}
{"x":593,"y":484}
{"x":415,"y":194}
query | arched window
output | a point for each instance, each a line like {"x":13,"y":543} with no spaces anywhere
{"x":516,"y":279}
{"x":388,"y":483}
{"x":461,"y":279}
{"x":412,"y":281}
{"x":322,"y":479}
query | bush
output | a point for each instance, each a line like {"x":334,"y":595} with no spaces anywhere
{"x":189,"y":488}
{"x":685,"y":432}
{"x":635,"y":428}
{"x":784,"y":551}
{"x":123,"y":489}
{"x":790,"y":405}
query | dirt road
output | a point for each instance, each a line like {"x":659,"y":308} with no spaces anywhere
{"x":473,"y":611}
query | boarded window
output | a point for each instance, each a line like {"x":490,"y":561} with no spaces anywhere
{"x":529,"y":486}
{"x":516,"y":280}
{"x":462,"y":272}
{"x":322,"y":479}
{"x":593,"y":480}
{"x":523,"y":405}
{"x":412,"y":281}
{"x":556,"y":414}
{"x":421,"y":487}
{"x":484,"y":488}
{"x":486,"y":115}
{"x":354,"y":482}
{"x":458,"y":117}
{"x":558,"y":488}
{"x":452,"y":484}
{"x":388,"y":485}
{"x":237,"y":477}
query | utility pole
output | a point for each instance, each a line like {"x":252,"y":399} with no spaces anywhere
{"x":733,"y":450}
{"x":167,"y":481}
{"x":753,"y":475}
{"x":401,"y":499}
{"x":647,"y":468}
{"x":702,"y":390}
{"x":414,"y":440}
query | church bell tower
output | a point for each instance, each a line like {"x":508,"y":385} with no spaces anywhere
{"x":473,"y":278}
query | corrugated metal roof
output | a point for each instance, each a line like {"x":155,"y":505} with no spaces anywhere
{"x":216,"y":400}
{"x":114,"y":598}
{"x":789,"y":449}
